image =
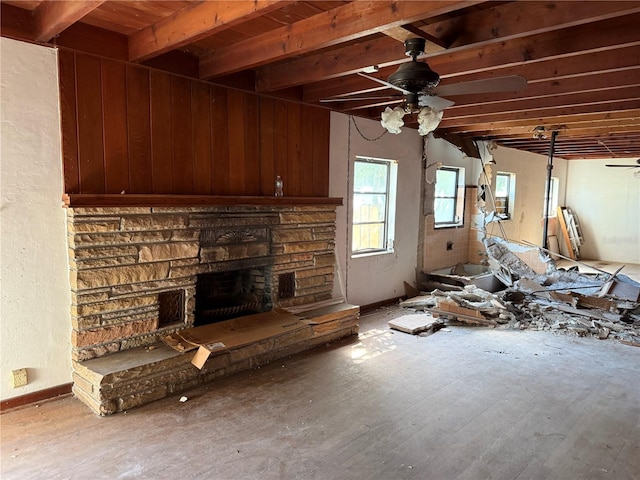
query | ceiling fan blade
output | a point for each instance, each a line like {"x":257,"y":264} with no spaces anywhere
{"x":509,"y":83}
{"x":637,"y":165}
{"x":348,"y":99}
{"x":435,"y":102}
{"x":383,"y":82}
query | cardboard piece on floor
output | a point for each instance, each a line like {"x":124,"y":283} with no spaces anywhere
{"x":414,"y":324}
{"x":204,"y":352}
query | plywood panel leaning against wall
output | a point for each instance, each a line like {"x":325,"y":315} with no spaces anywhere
{"x":132,"y":129}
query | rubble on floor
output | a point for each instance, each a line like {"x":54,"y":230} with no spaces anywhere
{"x":565,"y":301}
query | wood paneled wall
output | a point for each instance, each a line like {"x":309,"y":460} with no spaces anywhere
{"x":127,"y":128}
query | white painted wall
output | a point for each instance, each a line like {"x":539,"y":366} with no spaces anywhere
{"x":375,"y":278}
{"x":531,"y":176}
{"x":35,"y":325}
{"x":607,"y":203}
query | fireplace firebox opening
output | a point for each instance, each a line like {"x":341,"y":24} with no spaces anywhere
{"x":225,"y":295}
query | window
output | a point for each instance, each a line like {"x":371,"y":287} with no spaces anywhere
{"x":448,"y":204}
{"x":374,"y":205}
{"x":505,"y":194}
{"x":552,"y":202}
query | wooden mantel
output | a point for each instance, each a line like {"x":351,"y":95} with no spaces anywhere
{"x":157,"y":200}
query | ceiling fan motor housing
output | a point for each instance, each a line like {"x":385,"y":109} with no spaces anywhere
{"x":414,"y":76}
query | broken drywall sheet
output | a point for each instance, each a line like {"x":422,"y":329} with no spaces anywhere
{"x":416,"y":323}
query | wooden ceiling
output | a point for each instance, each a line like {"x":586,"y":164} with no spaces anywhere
{"x":581,"y":58}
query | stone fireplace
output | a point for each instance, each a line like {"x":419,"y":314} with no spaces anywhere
{"x":139,"y":273}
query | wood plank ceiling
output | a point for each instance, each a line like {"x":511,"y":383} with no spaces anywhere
{"x":581,"y":59}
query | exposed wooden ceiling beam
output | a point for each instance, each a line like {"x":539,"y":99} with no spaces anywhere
{"x":509,"y":20}
{"x":195,"y":22}
{"x":514,"y":24}
{"x":546,"y":104}
{"x":51,"y":18}
{"x":559,"y":119}
{"x":330,"y":65}
{"x":345,"y":23}
{"x":404,"y":32}
{"x":577,"y":129}
{"x":540,"y":116}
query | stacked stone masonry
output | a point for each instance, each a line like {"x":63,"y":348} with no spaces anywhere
{"x":121,"y":259}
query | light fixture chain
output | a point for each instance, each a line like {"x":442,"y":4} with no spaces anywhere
{"x":362,"y":135}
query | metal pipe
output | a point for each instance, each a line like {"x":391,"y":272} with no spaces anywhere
{"x":547,"y":194}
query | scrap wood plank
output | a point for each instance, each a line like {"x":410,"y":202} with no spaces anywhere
{"x":415,"y":324}
{"x":565,"y":232}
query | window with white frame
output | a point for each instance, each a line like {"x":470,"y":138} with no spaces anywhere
{"x":551,"y":202}
{"x":448,"y":202}
{"x":505,"y":195}
{"x":374,"y":205}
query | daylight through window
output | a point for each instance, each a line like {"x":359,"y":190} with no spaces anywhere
{"x":374,"y":198}
{"x":448,"y":204}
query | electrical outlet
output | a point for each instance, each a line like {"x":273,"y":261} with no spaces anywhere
{"x":19,"y":378}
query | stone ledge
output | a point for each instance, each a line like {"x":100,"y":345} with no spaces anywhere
{"x":132,"y":378}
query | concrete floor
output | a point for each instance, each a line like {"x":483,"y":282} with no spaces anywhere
{"x":471,"y":403}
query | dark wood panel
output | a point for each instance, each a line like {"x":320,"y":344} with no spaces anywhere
{"x":129,"y":128}
{"x":114,"y":106}
{"x":320,"y":152}
{"x":201,"y":123}
{"x":182,"y":138}
{"x":294,"y":159}
{"x":280,"y":138}
{"x":220,"y":141}
{"x":161,"y":147}
{"x":267,"y":147}
{"x":98,"y":41}
{"x":90,"y":127}
{"x":252,"y":143}
{"x":69,"y":121}
{"x":139,"y":129}
{"x":235,"y":116}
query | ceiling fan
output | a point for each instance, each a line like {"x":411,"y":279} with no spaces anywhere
{"x":637,"y":165}
{"x":420,"y":92}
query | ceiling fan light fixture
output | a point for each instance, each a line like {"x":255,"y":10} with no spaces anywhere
{"x":428,"y":120}
{"x":392,"y":119}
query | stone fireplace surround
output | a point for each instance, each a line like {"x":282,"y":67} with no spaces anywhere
{"x":133,"y":279}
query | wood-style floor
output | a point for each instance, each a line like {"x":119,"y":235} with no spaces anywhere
{"x":472,"y":403}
